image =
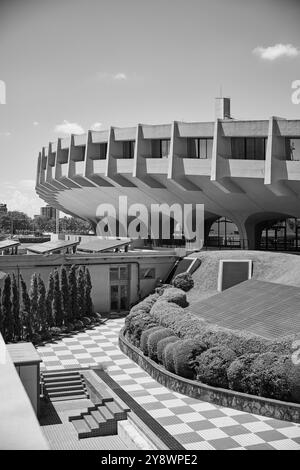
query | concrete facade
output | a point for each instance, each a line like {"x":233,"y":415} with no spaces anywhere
{"x":75,"y":175}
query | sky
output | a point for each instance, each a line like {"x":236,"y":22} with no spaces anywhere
{"x":71,"y":65}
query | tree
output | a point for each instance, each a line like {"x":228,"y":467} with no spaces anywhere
{"x":8,"y":323}
{"x":33,"y":294}
{"x":16,"y":309}
{"x":49,"y":300}
{"x":56,"y":303}
{"x":41,"y":305}
{"x":81,"y":293}
{"x":89,"y":307}
{"x":72,"y":280}
{"x":1,"y":314}
{"x":25,"y":311}
{"x":65,"y":295}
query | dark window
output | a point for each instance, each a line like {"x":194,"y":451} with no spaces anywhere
{"x":128,"y":149}
{"x":248,"y":148}
{"x":103,"y":151}
{"x":293,"y":149}
{"x":199,"y":148}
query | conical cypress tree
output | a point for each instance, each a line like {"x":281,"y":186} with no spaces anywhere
{"x":25,"y":311}
{"x":41,"y":305}
{"x":81,"y":293}
{"x":33,"y":294}
{"x":65,"y":295}
{"x":49,"y":300}
{"x":8,"y":323}
{"x":89,"y":307}
{"x":72,"y":280}
{"x":1,"y":314}
{"x":56,"y":303}
{"x":16,"y":309}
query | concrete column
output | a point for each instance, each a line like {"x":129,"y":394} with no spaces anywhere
{"x":221,"y":152}
{"x":275,"y":164}
{"x":114,"y":151}
{"x":178,"y":150}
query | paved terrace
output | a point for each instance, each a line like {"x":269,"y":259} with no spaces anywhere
{"x":194,"y":423}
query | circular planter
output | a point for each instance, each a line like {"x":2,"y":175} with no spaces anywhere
{"x":220,"y":396}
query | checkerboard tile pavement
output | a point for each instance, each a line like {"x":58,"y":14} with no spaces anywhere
{"x":194,"y":423}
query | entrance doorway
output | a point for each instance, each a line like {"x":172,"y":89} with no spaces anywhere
{"x":119,"y":288}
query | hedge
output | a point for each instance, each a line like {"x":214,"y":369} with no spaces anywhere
{"x":174,"y":295}
{"x":184,"y":353}
{"x":162,"y":344}
{"x":168,"y":357}
{"x":153,"y":340}
{"x":144,"y":338}
{"x":140,"y":323}
{"x":183,"y":281}
{"x":238,"y":373}
{"x":212,"y":366}
{"x":166,"y":313}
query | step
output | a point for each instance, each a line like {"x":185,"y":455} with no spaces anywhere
{"x":65,"y":393}
{"x":107,"y":415}
{"x":70,"y":397}
{"x":98,"y":417}
{"x":63,"y":378}
{"x":69,"y":388}
{"x":100,"y":403}
{"x":65,"y":383}
{"x":82,"y":428}
{"x":59,"y":373}
{"x":117,"y":412}
{"x":93,"y":425}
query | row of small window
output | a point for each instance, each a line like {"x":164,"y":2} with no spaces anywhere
{"x":121,"y":273}
{"x":243,"y":148}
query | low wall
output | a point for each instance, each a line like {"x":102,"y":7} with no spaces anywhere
{"x":228,"y":398}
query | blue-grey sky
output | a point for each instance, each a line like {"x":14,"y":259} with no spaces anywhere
{"x":72,"y":64}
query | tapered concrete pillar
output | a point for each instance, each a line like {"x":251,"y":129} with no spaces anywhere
{"x":176,"y":171}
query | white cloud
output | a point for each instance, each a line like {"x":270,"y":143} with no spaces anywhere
{"x":111,"y":76}
{"x":5,"y":134}
{"x":35,"y":123}
{"x":21,"y":196}
{"x":68,"y":128}
{"x":276,"y":51}
{"x":120,"y":76}
{"x":96,"y":126}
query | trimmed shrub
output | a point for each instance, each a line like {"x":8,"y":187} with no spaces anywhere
{"x":183,"y":281}
{"x":140,"y":322}
{"x":211,"y":366}
{"x":153,"y":340}
{"x":283,"y":345}
{"x":185,"y":353}
{"x":145,"y":304}
{"x":36,"y":338}
{"x":165,"y":313}
{"x":174,"y":295}
{"x":161,"y":289}
{"x":168,"y":356}
{"x":239,"y":372}
{"x":162,"y":344}
{"x":275,"y":376}
{"x":144,"y":338}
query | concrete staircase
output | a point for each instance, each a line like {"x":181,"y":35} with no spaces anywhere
{"x":64,"y":385}
{"x":100,"y":419}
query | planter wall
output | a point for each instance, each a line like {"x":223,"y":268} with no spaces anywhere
{"x":219,"y":396}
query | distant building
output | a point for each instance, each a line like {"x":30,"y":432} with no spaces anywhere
{"x":3,"y":209}
{"x":48,"y":212}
